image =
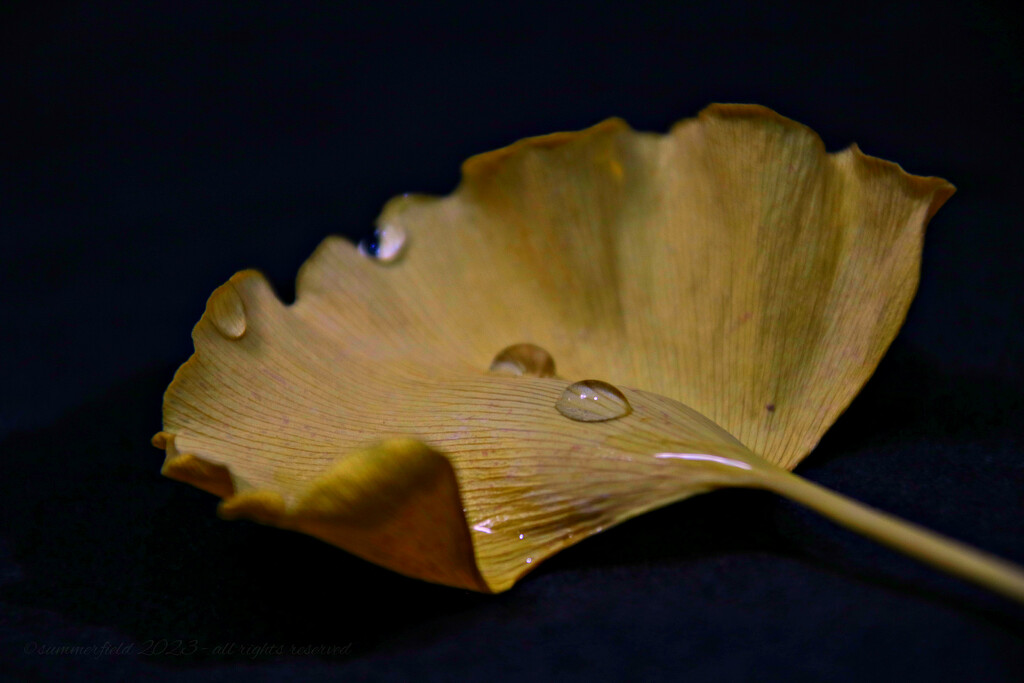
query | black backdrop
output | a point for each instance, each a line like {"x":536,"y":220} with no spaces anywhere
{"x":150,"y":150}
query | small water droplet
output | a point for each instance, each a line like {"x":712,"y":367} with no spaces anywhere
{"x":484,"y":526}
{"x":386,"y":244}
{"x":523,"y":360}
{"x":592,"y":401}
{"x":522,"y":536}
{"x":529,"y":560}
{"x":228,"y":312}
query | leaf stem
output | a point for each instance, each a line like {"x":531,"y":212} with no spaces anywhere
{"x":927,"y":546}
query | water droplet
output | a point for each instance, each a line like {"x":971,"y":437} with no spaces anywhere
{"x":484,"y":526}
{"x":227,"y":312}
{"x":592,"y":401}
{"x":386,"y":245}
{"x":522,"y":536}
{"x":523,"y":360}
{"x":529,"y":560}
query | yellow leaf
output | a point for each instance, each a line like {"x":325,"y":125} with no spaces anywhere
{"x":732,"y":283}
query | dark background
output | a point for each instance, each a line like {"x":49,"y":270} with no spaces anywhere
{"x":150,"y":150}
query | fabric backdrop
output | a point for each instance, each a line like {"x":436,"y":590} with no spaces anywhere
{"x":150,"y":150}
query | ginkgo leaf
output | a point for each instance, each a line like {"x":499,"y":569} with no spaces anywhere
{"x":592,"y":325}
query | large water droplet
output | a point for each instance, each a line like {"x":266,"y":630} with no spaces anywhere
{"x":524,"y":360}
{"x":228,"y":312}
{"x":592,"y":401}
{"x":386,"y":245}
